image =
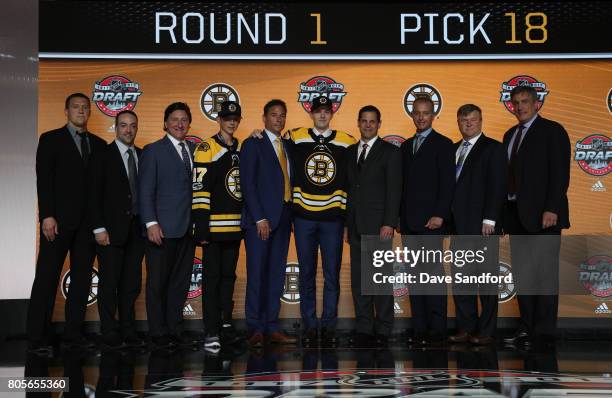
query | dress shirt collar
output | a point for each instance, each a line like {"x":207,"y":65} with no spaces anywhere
{"x":370,"y":142}
{"x":174,"y":141}
{"x":123,"y":148}
{"x":271,"y":136}
{"x":73,"y":130}
{"x":425,"y":133}
{"x":472,"y":140}
{"x":529,"y":122}
{"x":325,"y":134}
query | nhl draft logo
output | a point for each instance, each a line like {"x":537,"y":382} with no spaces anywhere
{"x":320,"y":168}
{"x":93,"y":289}
{"x":291,"y":291}
{"x":595,"y":274}
{"x":396,"y":140}
{"x":522,"y":80}
{"x":193,"y":138}
{"x":213,"y":96}
{"x":321,"y":86}
{"x":232,"y":183}
{"x":399,"y":289}
{"x":195,"y":285}
{"x":422,"y":90}
{"x":507,"y":291}
{"x":114,"y":94}
{"x":594,"y":154}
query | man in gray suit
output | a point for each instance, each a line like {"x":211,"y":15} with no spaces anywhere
{"x":374,"y":188}
{"x":164,"y":195}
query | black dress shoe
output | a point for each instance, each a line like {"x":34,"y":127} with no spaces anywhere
{"x":112,"y":340}
{"x":363,"y":340}
{"x":40,"y":347}
{"x":133,"y":340}
{"x":161,"y":341}
{"x":328,"y":337}
{"x":520,"y":337}
{"x":229,"y":335}
{"x":382,"y":341}
{"x":309,"y":338}
{"x":77,"y":343}
{"x":461,"y":337}
{"x":184,"y":339}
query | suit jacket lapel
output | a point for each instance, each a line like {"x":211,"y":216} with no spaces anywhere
{"x":172,"y":151}
{"x":118,"y":160}
{"x":474,"y":153}
{"x":71,"y":144}
{"x":374,"y":152}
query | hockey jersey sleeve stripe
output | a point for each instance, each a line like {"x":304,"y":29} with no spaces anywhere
{"x":225,"y":216}
{"x":224,"y":223}
{"x":201,"y":194}
{"x":337,"y":198}
{"x":200,"y":200}
{"x":225,"y":229}
{"x":200,"y":206}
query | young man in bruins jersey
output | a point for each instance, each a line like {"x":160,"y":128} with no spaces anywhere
{"x":216,"y":214}
{"x":319,"y":204}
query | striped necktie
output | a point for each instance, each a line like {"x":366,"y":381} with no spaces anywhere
{"x":461,"y":160}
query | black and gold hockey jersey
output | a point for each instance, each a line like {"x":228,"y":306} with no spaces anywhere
{"x":320,"y":176}
{"x":217,"y":199}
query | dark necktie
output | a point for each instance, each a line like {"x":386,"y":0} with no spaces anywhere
{"x":84,"y":146}
{"x":133,"y":178}
{"x":512,"y":164}
{"x":461,"y":159}
{"x":418,"y":140}
{"x":362,"y":156}
{"x":185,"y":156}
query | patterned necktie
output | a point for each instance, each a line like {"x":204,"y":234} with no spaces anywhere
{"x":282,"y":159}
{"x":418,"y":140}
{"x":185,"y":156}
{"x":362,"y":156}
{"x":133,"y":179}
{"x":84,"y":146}
{"x":461,"y":159}
{"x":512,"y":163}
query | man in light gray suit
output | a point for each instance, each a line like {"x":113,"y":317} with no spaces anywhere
{"x":164,"y":195}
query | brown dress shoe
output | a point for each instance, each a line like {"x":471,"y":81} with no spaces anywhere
{"x":461,"y":337}
{"x":482,"y":340}
{"x":281,"y":338}
{"x":256,"y":340}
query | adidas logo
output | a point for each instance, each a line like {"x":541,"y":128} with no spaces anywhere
{"x":397,"y":309}
{"x":188,"y":310}
{"x":603,"y":309}
{"x":598,"y":187}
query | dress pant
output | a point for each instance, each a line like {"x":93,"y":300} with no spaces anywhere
{"x":51,"y":257}
{"x":119,"y":282}
{"x":428,"y":302}
{"x":310,"y":235}
{"x":373,"y":313}
{"x":535,"y":267}
{"x":266,"y":266}
{"x":219,"y":269}
{"x":169,"y":268}
{"x":466,"y":296}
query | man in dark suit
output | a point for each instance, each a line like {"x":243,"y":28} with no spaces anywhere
{"x":477,"y":212}
{"x":265,"y":179}
{"x":429,"y":181}
{"x":61,"y":162}
{"x":538,"y":153}
{"x":374,"y":191}
{"x":113,"y":208}
{"x":164,"y":195}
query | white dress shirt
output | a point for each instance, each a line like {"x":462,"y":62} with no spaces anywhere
{"x":472,"y":142}
{"x":370,"y":145}
{"x":123,"y":150}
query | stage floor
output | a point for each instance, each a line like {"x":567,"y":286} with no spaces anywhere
{"x":573,"y":368}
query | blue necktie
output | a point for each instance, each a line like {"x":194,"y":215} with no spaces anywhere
{"x":185,"y":156}
{"x":462,"y":153}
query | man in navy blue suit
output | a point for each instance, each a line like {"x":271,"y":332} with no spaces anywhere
{"x":165,"y":208}
{"x":266,"y":176}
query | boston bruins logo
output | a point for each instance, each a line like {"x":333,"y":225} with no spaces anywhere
{"x":232,"y":183}
{"x":320,"y":168}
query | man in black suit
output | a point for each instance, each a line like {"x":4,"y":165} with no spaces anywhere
{"x":116,"y":226}
{"x":538,"y":153}
{"x":164,"y":202}
{"x":429,"y":181}
{"x":61,"y":162}
{"x":374,"y":191}
{"x":477,"y":212}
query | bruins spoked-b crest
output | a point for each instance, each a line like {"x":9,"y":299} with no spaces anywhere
{"x":422,"y":90}
{"x":291,"y":289}
{"x":232,"y":183}
{"x":213,"y":96}
{"x":320,"y":168}
{"x":93,"y":289}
